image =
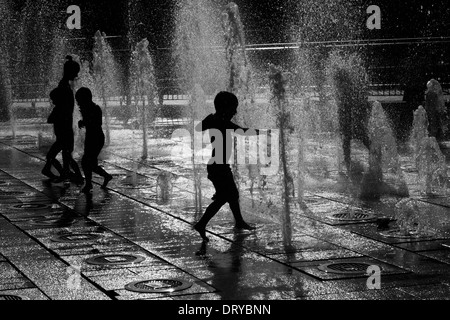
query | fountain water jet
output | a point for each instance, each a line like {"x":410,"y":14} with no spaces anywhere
{"x":384,"y":173}
{"x":143,"y":88}
{"x":428,"y":158}
{"x":349,"y":81}
{"x":436,"y":110}
{"x":26,"y":38}
{"x":105,"y":77}
{"x":432,"y":168}
{"x":164,"y":186}
{"x":198,"y":109}
{"x":235,"y":48}
{"x":419,"y":130}
{"x":280,"y":107}
{"x":201,"y":66}
{"x":6,"y":112}
{"x":239,"y":80}
{"x":6,"y":106}
{"x":309,"y":120}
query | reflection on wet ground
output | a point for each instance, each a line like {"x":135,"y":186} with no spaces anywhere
{"x":49,"y":234}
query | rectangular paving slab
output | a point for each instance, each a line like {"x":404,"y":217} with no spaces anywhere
{"x":44,"y":270}
{"x":25,"y":294}
{"x":344,"y":268}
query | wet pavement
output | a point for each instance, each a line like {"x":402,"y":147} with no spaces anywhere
{"x":126,"y":243}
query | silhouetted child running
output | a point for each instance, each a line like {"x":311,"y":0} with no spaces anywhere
{"x":219,"y":171}
{"x":94,"y":139}
{"x":62,"y":119}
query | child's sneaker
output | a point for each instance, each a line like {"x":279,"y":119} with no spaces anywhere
{"x":244,"y":226}
{"x":107,"y":179}
{"x":48,"y":173}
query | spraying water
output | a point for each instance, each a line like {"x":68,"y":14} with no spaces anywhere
{"x":164,"y":186}
{"x":27,"y":41}
{"x":105,"y":77}
{"x":280,"y":106}
{"x":198,"y":110}
{"x":431,"y":166}
{"x":239,"y":76}
{"x":143,"y":88}
{"x":201,"y":66}
{"x":419,"y":130}
{"x":384,"y":164}
{"x":428,"y":157}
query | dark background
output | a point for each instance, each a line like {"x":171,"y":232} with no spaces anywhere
{"x":321,"y":24}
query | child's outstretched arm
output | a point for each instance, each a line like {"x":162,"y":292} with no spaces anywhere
{"x":243,"y":131}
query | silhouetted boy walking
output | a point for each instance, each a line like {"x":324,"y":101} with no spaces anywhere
{"x":94,"y":140}
{"x":62,"y":119}
{"x":219,"y":171}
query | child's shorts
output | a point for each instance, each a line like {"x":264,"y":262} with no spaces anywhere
{"x":223,"y":181}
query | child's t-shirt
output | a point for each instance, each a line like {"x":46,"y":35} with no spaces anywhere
{"x":221,"y":139}
{"x":92,"y":120}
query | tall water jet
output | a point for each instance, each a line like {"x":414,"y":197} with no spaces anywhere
{"x":428,"y":157}
{"x":86,"y":78}
{"x":436,"y":110}
{"x":278,"y":83}
{"x":238,"y":70}
{"x":235,"y":48}
{"x":105,"y":76}
{"x":5,"y":46}
{"x":143,"y":88}
{"x":309,"y":120}
{"x":5,"y":82}
{"x":6,"y":113}
{"x":6,"y":107}
{"x":26,"y":37}
{"x":384,"y":163}
{"x":79,"y":134}
{"x":37,"y":26}
{"x":198,"y":108}
{"x":196,"y":46}
{"x":349,"y":82}
{"x":419,"y":130}
{"x":432,"y":167}
{"x":320,"y":117}
{"x":201,"y":66}
{"x":314,"y":23}
{"x":61,"y":47}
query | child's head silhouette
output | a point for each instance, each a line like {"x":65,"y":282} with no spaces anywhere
{"x":226,"y":104}
{"x":71,"y":68}
{"x":83,"y":96}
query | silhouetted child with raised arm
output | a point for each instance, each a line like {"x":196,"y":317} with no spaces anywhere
{"x":219,"y":171}
{"x":94,"y":140}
